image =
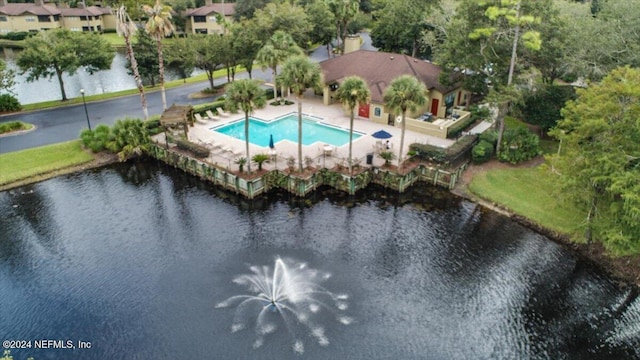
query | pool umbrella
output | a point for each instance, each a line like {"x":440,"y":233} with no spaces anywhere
{"x":271,"y":141}
{"x":381,"y":134}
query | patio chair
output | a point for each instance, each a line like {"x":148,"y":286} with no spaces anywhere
{"x":199,"y":118}
{"x":212,"y":116}
{"x":221,"y":112}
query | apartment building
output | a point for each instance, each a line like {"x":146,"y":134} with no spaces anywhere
{"x":16,"y":17}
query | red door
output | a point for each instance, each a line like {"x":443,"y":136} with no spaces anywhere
{"x":434,"y":107}
{"x":363,"y":110}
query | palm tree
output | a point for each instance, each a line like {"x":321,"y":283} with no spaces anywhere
{"x":247,"y":96}
{"x":404,"y":93}
{"x":159,"y":26}
{"x":277,"y":49}
{"x":299,"y":74}
{"x":126,"y":27}
{"x":352,"y":91}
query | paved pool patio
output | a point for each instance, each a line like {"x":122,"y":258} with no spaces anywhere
{"x":226,"y":149}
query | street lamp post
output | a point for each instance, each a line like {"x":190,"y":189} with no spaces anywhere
{"x":86,"y":112}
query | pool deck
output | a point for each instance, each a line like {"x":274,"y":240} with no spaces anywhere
{"x":226,"y":149}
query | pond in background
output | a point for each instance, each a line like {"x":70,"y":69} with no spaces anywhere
{"x":101,"y":82}
{"x":134,"y":258}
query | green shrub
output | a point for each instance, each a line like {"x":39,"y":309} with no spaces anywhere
{"x":260,"y":159}
{"x":519,"y":145}
{"x":478,"y":112}
{"x":16,"y":35}
{"x":9,"y":103}
{"x":387,"y":156}
{"x":241,"y":161}
{"x":459,"y":126}
{"x":11,"y":126}
{"x":153,"y":126}
{"x":197,"y":150}
{"x":482,"y":152}
{"x":490,"y":136}
{"x":445,"y":155}
{"x":215,"y":89}
{"x":130,"y":138}
{"x":109,"y":31}
{"x":201,"y":108}
{"x":97,"y":140}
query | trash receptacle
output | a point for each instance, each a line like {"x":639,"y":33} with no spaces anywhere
{"x":369,"y":158}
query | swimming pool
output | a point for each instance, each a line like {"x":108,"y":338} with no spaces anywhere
{"x":286,"y":128}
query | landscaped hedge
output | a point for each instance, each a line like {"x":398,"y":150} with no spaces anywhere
{"x":477,"y":113}
{"x":444,"y":155}
{"x":16,"y":35}
{"x":198,"y":151}
{"x":200,"y":108}
{"x":459,"y":126}
{"x":482,"y":152}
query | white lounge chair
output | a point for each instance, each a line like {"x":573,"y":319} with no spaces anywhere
{"x":211,"y":116}
{"x":221,"y":112}
{"x":199,"y":118}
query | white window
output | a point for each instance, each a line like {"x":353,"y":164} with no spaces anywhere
{"x":213,"y":19}
{"x":30,"y":18}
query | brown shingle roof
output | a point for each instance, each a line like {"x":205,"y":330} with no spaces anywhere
{"x":88,"y":11}
{"x":22,"y":8}
{"x":378,"y":69}
{"x":227,"y":9}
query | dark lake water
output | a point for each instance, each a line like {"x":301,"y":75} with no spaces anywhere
{"x":133,"y":258}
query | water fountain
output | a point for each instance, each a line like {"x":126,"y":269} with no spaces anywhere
{"x":290,"y":295}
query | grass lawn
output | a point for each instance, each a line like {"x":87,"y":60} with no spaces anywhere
{"x":529,"y":192}
{"x":19,"y":165}
{"x":513,"y":123}
{"x":114,"y":39}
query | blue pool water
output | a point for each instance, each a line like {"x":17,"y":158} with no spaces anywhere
{"x":286,"y":128}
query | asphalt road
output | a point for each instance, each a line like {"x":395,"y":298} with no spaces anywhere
{"x":65,"y":123}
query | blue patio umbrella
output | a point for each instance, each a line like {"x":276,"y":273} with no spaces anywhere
{"x":271,"y":141}
{"x":381,"y":134}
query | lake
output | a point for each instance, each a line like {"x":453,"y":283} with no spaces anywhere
{"x":101,"y":82}
{"x":136,"y":258}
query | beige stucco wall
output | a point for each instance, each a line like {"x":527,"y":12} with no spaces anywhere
{"x":211,"y":24}
{"x":26,"y":23}
{"x":74,"y":23}
{"x":108,"y":22}
{"x":20,"y":23}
